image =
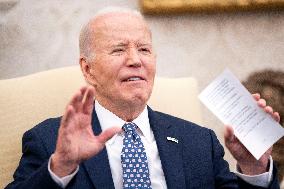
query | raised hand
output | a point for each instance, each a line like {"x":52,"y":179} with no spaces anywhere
{"x":247,"y":163}
{"x":76,"y":141}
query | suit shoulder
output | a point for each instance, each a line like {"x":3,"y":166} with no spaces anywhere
{"x":42,"y":137}
{"x":50,"y":124}
{"x":46,"y":131}
{"x":190,"y":132}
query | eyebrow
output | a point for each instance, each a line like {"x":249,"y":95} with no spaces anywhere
{"x":121,"y":44}
{"x":138,"y":44}
{"x":144,"y":44}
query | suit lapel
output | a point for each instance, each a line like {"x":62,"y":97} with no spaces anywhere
{"x":98,"y":166}
{"x":170,"y":152}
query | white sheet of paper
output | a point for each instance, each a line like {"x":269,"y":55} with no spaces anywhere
{"x":230,"y":101}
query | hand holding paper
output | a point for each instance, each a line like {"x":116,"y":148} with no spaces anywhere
{"x":248,"y":164}
{"x":253,"y":127}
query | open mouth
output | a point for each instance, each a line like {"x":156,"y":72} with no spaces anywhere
{"x":134,"y":78}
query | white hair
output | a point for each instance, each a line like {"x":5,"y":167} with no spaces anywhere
{"x":107,"y":10}
{"x":86,"y":37}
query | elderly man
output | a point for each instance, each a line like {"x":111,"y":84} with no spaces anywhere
{"x":87,"y":148}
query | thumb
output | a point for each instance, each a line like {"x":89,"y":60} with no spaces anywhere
{"x":108,"y":134}
{"x":228,"y":134}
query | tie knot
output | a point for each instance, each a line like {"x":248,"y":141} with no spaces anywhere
{"x":129,"y":127}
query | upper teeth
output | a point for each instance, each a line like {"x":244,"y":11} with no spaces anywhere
{"x":134,"y":79}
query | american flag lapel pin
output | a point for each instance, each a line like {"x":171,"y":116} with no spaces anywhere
{"x":172,"y":139}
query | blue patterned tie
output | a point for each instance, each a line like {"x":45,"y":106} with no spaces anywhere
{"x":134,"y":160}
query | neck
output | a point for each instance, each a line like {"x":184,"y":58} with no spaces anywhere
{"x":126,"y":111}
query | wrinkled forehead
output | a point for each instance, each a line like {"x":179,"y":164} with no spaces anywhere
{"x":121,"y":25}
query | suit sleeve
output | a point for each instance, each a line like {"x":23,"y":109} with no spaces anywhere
{"x":226,"y":179}
{"x":32,"y":172}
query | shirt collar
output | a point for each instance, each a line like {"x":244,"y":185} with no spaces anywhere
{"x":108,"y":119}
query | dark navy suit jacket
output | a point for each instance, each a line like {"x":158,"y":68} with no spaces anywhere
{"x":196,"y":161}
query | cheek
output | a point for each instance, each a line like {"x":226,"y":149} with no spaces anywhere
{"x":97,"y":76}
{"x":154,"y":70}
{"x":107,"y":79}
{"x":151,"y":69}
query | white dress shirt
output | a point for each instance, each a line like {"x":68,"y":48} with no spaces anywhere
{"x":114,"y":146}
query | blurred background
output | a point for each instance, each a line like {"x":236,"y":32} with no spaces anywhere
{"x":37,"y":35}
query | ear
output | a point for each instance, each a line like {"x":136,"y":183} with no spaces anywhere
{"x":86,"y":70}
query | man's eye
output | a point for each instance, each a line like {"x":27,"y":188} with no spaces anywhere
{"x":117,"y":51}
{"x":145,"y":50}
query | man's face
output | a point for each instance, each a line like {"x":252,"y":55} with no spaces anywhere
{"x":124,"y":66}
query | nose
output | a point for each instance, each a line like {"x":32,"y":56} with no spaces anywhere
{"x":133,"y":59}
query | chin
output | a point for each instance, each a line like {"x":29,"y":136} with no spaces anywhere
{"x":138,"y":99}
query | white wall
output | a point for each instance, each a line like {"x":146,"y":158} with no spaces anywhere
{"x":38,"y":35}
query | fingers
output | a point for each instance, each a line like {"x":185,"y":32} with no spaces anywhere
{"x":67,"y":117}
{"x":81,"y":101}
{"x":229,"y":134}
{"x":256,"y":96}
{"x":108,"y":134}
{"x":268,"y":109}
{"x":88,"y":102}
{"x":276,"y":116}
{"x":76,"y":100}
{"x":261,"y":103}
